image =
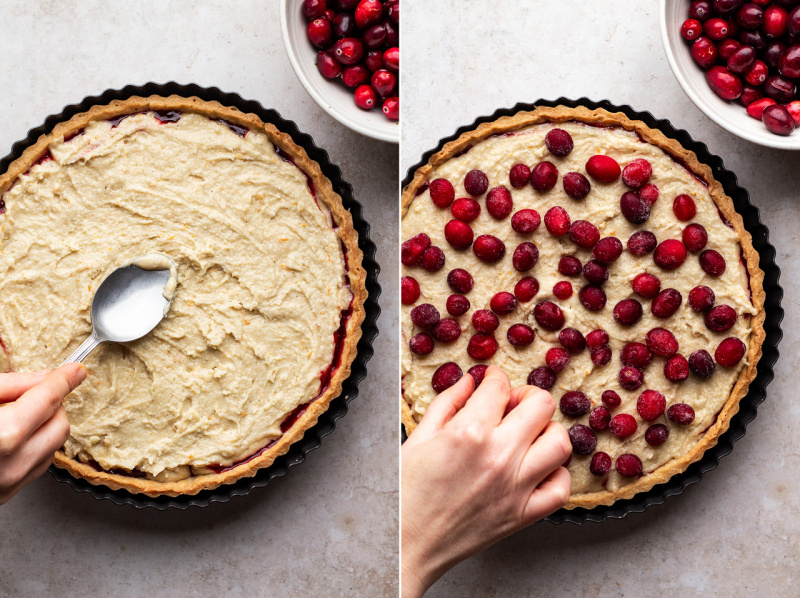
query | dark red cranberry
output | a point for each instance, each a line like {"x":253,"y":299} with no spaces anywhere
{"x":569,"y":266}
{"x":646,"y":285}
{"x":369,"y":12}
{"x":629,"y":465}
{"x":780,"y":89}
{"x":600,"y":355}
{"x":457,"y":305}
{"x":442,"y":192}
{"x":544,"y":176}
{"x":313,"y":8}
{"x":603,"y":169}
{"x":525,"y":221}
{"x":583,"y":439}
{"x":520,"y":335}
{"x":627,"y":312}
{"x":691,"y":29}
{"x":595,"y":272}
{"x":793,"y":22}
{"x":344,"y":25}
{"x":720,"y":318}
{"x":676,"y":368}
{"x":489,"y":249}
{"x":503,"y":303}
{"x":575,"y":404}
{"x":526,"y":289}
{"x":778,"y":120}
{"x":648,"y":194}
{"x":701,"y":10}
{"x":476,"y":182}
{"x":348,"y":51}
{"x":622,"y":425}
{"x":519,"y":175}
{"x":704,"y":52}
{"x":481,"y":346}
{"x":559,"y":142}
{"x":694,"y":237}
{"x":549,"y":315}
{"x":651,"y":405}
{"x":421,"y":344}
{"x":597,"y":338}
{"x":365,"y":97}
{"x":411,"y":250}
{"x":670,"y":254}
{"x":445,"y":376}
{"x":630,"y":377}
{"x":478,"y":372}
{"x":662,"y":342}
{"x":543,"y":377}
{"x":592,"y":297}
{"x":576,"y":185}
{"x":460,"y":281}
{"x":525,"y":256}
{"x":701,"y":363}
{"x":557,"y":359}
{"x":600,"y":464}
{"x":485,"y":321}
{"x":727,"y":7}
{"x":499,"y":203}
{"x":636,"y":354}
{"x":611,"y":399}
{"x":724,"y":83}
{"x":390,"y":58}
{"x":681,"y":413}
{"x":712,"y":262}
{"x":775,"y":21}
{"x":409,"y":290}
{"x":741,"y":60}
{"x":433,"y":259}
{"x":374,"y":36}
{"x":320,"y":33}
{"x":562,"y":290}
{"x":636,"y":173}
{"x":666,"y":303}
{"x":557,"y":221}
{"x":656,"y":435}
{"x":572,"y":340}
{"x":684,"y":207}
{"x":730,"y":352}
{"x":634,"y":208}
{"x":446,"y":331}
{"x":465,"y":209}
{"x":584,"y":234}
{"x":750,"y":16}
{"x":607,"y":250}
{"x":349,"y":5}
{"x":789,"y":62}
{"x":599,"y":419}
{"x":642,"y":242}
{"x":772,"y":54}
{"x":425,"y":315}
{"x":327,"y":65}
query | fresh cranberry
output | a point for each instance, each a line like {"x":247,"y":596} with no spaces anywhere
{"x":694,"y":237}
{"x":794,"y":110}
{"x":603,"y":169}
{"x":369,"y":12}
{"x":607,"y":250}
{"x":393,"y":10}
{"x":442,"y":192}
{"x":383,"y":82}
{"x":525,"y":221}
{"x":569,"y":266}
{"x":595,"y":272}
{"x":433,"y":259}
{"x":374,"y":36}
{"x":684,"y":207}
{"x":656,"y":435}
{"x":355,"y":75}
{"x":425,"y":315}
{"x":629,"y":465}
{"x":445,"y":376}
{"x":666,"y":303}
{"x":775,"y":21}
{"x":730,"y":352}
{"x":519,"y":175}
{"x":646,"y":285}
{"x":701,"y":299}
{"x":485,"y":321}
{"x":600,"y":355}
{"x":720,"y":318}
{"x":691,"y":29}
{"x":599,"y":419}
{"x":489,"y":249}
{"x":526,"y":289}
{"x":789,"y":62}
{"x":328,"y":66}
{"x":348,"y":51}
{"x":458,"y":234}
{"x":704,"y":52}
{"x":701,"y":10}
{"x":716,"y":28}
{"x":778,"y":120}
{"x":365,"y":97}
{"x":544,"y":176}
{"x":481,"y":346}
{"x":780,"y":89}
{"x":637,"y":173}
{"x":756,"y":75}
{"x":572,"y":340}
{"x":421,"y":344}
{"x":597,"y":338}
{"x":446,"y":330}
{"x":662,"y":342}
{"x":676,"y":368}
{"x":756,"y":109}
{"x":391,"y":59}
{"x":409,"y":290}
{"x":543,"y":377}
{"x":651,"y":405}
{"x":344,"y":25}
{"x":636,"y":354}
{"x":478,"y":372}
{"x":411,"y":251}
{"x":793,"y":22}
{"x":575,"y":404}
{"x":772,"y":53}
{"x":622,"y":425}
{"x":320,"y":33}
{"x":592,"y":297}
{"x":670,"y":254}
{"x":559,"y":142}
{"x":750,"y":16}
{"x":457,"y":305}
{"x":499,"y":203}
{"x":724,"y":83}
{"x":476,"y":182}
{"x":557,"y":221}
{"x":391,"y":108}
{"x":642,"y":242}
{"x":749,"y":94}
{"x":520,"y":335}
{"x":549,"y":315}
{"x":460,"y":281}
{"x":349,"y":5}
{"x":503,"y":303}
{"x":701,"y":363}
{"x":681,"y":413}
{"x":600,"y":464}
{"x":627,"y":312}
{"x":630,"y":377}
{"x":562,"y":290}
{"x":465,"y":209}
{"x":648,"y":194}
{"x":712,"y":262}
{"x":741,"y":60}
{"x":576,"y":185}
{"x":634,"y":208}
{"x":583,"y":439}
{"x":726,"y":7}
{"x":313,"y":8}
{"x":611,"y":399}
{"x":557,"y":359}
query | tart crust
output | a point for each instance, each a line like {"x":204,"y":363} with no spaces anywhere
{"x":355,"y":273}
{"x":601,"y":117}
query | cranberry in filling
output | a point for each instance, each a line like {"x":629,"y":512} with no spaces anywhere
{"x":445,"y":376}
{"x":520,"y":335}
{"x":543,"y":377}
{"x":583,"y":440}
{"x":575,"y":404}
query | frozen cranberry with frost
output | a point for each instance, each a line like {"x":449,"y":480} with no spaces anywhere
{"x":646,"y":285}
{"x":627,"y":312}
{"x":476,"y":182}
{"x":712,"y":262}
{"x":681,"y":413}
{"x":465,"y":209}
{"x":519,"y":175}
{"x":575,"y":404}
{"x":630,"y":377}
{"x":525,"y":256}
{"x":637,"y":173}
{"x":622,"y":425}
{"x":503,"y":303}
{"x":662,"y":342}
{"x":327,"y":65}
{"x":603,"y":169}
{"x":730,"y":352}
{"x":409,"y":290}
{"x":557,"y":359}
{"x":629,"y":465}
{"x":642,"y":242}
{"x":670,"y":254}
{"x":481,"y":346}
{"x":634,"y":208}
{"x":656,"y":435}
{"x":425,"y":315}
{"x":489,"y":249}
{"x":648,"y":193}
{"x":684,"y":207}
{"x":445,"y":376}
{"x":442,"y":192}
{"x":599,"y":419}
{"x":348,"y":51}
{"x":457,"y":305}
{"x":544,"y":176}
{"x":478,"y":373}
{"x":701,"y":364}
{"x":557,"y":221}
{"x":597,"y":338}
{"x":595,"y":272}
{"x":543,"y":377}
{"x":691,"y":29}
{"x":584,"y":234}
{"x":611,"y":399}
{"x":694,"y":237}
{"x":676,"y":368}
{"x":600,"y":355}
{"x":636,"y":354}
{"x":583,"y":439}
{"x":355,"y":75}
{"x":460,"y":281}
{"x":720,"y":318}
{"x":651,"y":405}
{"x":411,"y":250}
{"x":548,"y":315}
{"x":572,"y":340}
{"x":562,"y":290}
{"x":559,"y":142}
{"x":526,"y":289}
{"x":499,"y":203}
{"x":704,"y":52}
{"x":525,"y":221}
{"x":421,"y":344}
{"x":485,"y":321}
{"x":600,"y":464}
{"x":433,"y":259}
{"x":701,"y":299}
{"x":520,"y":335}
{"x":607,"y":250}
{"x":576,"y":185}
{"x":320,"y":33}
{"x":368,"y":12}
{"x":569,"y":266}
{"x":666,"y":303}
{"x":592,"y":297}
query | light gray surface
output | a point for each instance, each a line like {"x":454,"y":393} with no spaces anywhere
{"x":736,"y":532}
{"x":328,"y":527}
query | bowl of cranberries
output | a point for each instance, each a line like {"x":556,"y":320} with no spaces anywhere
{"x":739,"y":62}
{"x":347,"y":57}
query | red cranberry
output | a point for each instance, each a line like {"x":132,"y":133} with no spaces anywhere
{"x":684,"y":207}
{"x":569,"y":266}
{"x":741,"y":60}
{"x":349,"y":5}
{"x":622,"y":425}
{"x":600,"y":464}
{"x":393,"y":10}
{"x":559,"y":142}
{"x":526,"y":289}
{"x":750,"y":94}
{"x":730,"y":352}
{"x":489,"y":249}
{"x":575,"y":404}
{"x":355,"y":75}
{"x":724,"y":83}
{"x":327,"y":65}
{"x":597,"y":338}
{"x":694,"y":237}
{"x":557,"y":359}
{"x":691,"y":29}
{"x":670,"y":254}
{"x":576,"y":185}
{"x":525,"y":221}
{"x":499,"y":203}
{"x":789,"y":62}
{"x":676,"y":368}
{"x":433,"y":259}
{"x":681,"y":413}
{"x":409,"y":290}
{"x":726,"y":7}
{"x":383,"y":82}
{"x":634,"y":208}
{"x":627,"y":312}
{"x":562,"y":290}
{"x":712,"y":262}
{"x":642,"y":242}
{"x":465,"y":209}
{"x":411,"y":251}
{"x":592,"y":297}
{"x":476,"y":182}
{"x":772,"y":53}
{"x":421,"y":344}
{"x":572,"y":340}
{"x":481,"y":346}
{"x":636,"y":354}
{"x":656,"y":435}
{"x":716,"y":28}
{"x":756,"y":109}
{"x":630,"y":378}
{"x":584,"y":234}
{"x":520,"y":335}
{"x":794,"y":110}
{"x":445,"y":376}
{"x":369,"y":12}
{"x":780,"y":89}
{"x":611,"y":399}
{"x":704,"y":52}
{"x":460,"y":281}
{"x":391,"y":58}
{"x":646,"y":285}
{"x":446,"y":331}
{"x":442,"y":192}
{"x":720,"y":318}
{"x":519,"y":175}
{"x":556,"y":221}
{"x":543,"y":377}
{"x":607,"y":250}
{"x":425,"y":315}
{"x":595,"y":272}
{"x":775,"y":21}
{"x":756,"y":75}
{"x":549,"y":315}
{"x":629,"y":466}
{"x":778,"y":120}
{"x":478,"y":372}
{"x":701,"y":10}
{"x":666,"y":303}
{"x":374,"y":36}
{"x":701,"y":364}
{"x":600,"y":355}
{"x":583,"y":439}
{"x":604,"y":169}
{"x":662,"y":342}
{"x":637,"y":173}
{"x":503,"y":303}
{"x":793,"y":22}
{"x":457,"y":305}
{"x":750,"y":16}
{"x":485,"y":321}
{"x":313,"y":8}
{"x":648,"y":194}
{"x":348,"y":51}
{"x":391,"y":108}
{"x":320,"y":33}
{"x":544,"y":176}
{"x":365,"y":97}
{"x":599,"y":419}
{"x":458,"y":234}
{"x":651,"y":405}
{"x":701,"y":299}
{"x":344,"y":25}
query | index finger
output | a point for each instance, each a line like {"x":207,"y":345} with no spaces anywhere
{"x":13,"y":384}
{"x":488,"y":403}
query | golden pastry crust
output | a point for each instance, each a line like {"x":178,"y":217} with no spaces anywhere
{"x":560,"y":114}
{"x":355,"y":272}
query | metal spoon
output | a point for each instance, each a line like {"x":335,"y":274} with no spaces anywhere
{"x":130,"y":302}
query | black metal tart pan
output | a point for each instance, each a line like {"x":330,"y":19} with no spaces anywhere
{"x":338,"y":407}
{"x":774,"y":312}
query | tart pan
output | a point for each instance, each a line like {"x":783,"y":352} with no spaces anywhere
{"x":772,"y":305}
{"x":338,"y":407}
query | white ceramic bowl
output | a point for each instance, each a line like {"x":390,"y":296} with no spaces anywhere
{"x":728,"y":115}
{"x":332,"y":96}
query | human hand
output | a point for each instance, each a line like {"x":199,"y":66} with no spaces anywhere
{"x":480,"y":466}
{"x":33,"y":424}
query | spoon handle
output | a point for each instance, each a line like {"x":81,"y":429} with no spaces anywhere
{"x":86,"y":347}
